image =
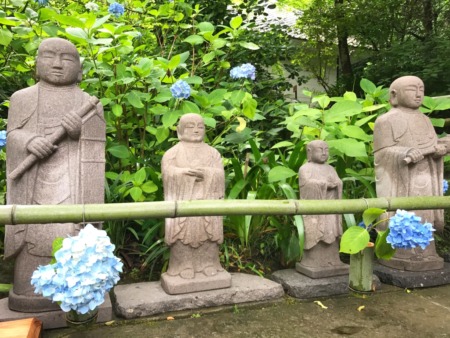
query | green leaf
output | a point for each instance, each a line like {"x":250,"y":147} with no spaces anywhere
{"x":117,"y":110}
{"x":170,"y":118}
{"x":4,"y":288}
{"x":280,"y":173}
{"x":383,"y":249}
{"x":69,"y":21}
{"x":349,"y":147}
{"x":354,"y":240}
{"x":162,"y":133}
{"x":368,"y":86}
{"x":249,"y":45}
{"x":119,"y":151}
{"x":370,"y":215}
{"x":7,"y":22}
{"x":322,"y":100}
{"x":282,"y":144}
{"x":236,"y":22}
{"x":340,"y":111}
{"x":56,"y":245}
{"x":207,"y":58}
{"x":194,"y":39}
{"x":5,"y":37}
{"x":139,"y":177}
{"x":134,"y":99}
{"x":149,"y":187}
{"x":78,"y":33}
{"x":249,"y":106}
{"x":350,"y":96}
{"x":355,"y":132}
{"x":205,"y":27}
{"x":189,"y":107}
{"x":438,"y":122}
{"x":135,"y":193}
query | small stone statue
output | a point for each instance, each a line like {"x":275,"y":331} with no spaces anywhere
{"x":319,"y":181}
{"x":55,"y":155}
{"x":408,"y":162}
{"x":193,"y":170}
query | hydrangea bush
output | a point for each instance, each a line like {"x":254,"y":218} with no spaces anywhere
{"x":85,"y":270}
{"x":405,"y":231}
{"x":245,"y":71}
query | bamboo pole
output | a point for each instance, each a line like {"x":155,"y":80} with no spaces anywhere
{"x":28,"y":214}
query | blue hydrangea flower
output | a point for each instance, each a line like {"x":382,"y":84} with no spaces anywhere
{"x":85,"y":270}
{"x":407,"y":231}
{"x":2,"y":138}
{"x":42,"y":2}
{"x":444,"y":186}
{"x":245,"y":71}
{"x":116,"y":9}
{"x":180,"y":90}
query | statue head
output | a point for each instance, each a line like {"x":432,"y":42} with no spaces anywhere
{"x":191,"y":128}
{"x":317,"y":151}
{"x":58,"y":62}
{"x":407,"y":92}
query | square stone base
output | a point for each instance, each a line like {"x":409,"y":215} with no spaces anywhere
{"x":175,"y":285}
{"x":322,"y":272}
{"x":52,"y":319}
{"x":303,"y":287}
{"x":148,"y":298}
{"x":413,"y":279}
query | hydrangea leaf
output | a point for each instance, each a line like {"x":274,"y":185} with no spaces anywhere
{"x":370,"y":215}
{"x":354,"y":240}
{"x":383,"y":249}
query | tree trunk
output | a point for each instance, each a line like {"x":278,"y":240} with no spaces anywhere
{"x":345,"y":65}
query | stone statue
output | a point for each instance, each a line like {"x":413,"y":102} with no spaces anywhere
{"x":408,"y":162}
{"x":319,"y":181}
{"x":193,"y":170}
{"x":55,"y":155}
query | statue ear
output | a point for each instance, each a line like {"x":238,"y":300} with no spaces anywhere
{"x":179,"y":132}
{"x":393,"y":100}
{"x":80,"y":76}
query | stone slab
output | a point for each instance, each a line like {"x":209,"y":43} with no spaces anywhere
{"x":322,"y":272}
{"x":174,"y":285}
{"x":303,"y":287}
{"x":52,"y":319}
{"x":148,"y":298}
{"x":413,"y":279}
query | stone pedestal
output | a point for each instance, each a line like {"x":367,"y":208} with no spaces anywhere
{"x":413,"y":279}
{"x":323,"y":271}
{"x":175,"y":285}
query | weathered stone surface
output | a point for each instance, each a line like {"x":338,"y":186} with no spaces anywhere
{"x":52,"y":319}
{"x":193,"y":170}
{"x":174,"y":285}
{"x":300,"y":286}
{"x":149,"y":298}
{"x":322,"y":271}
{"x":413,"y":279}
{"x":55,"y":155}
{"x":408,"y":159}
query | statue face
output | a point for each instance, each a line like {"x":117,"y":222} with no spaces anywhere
{"x":410,"y":95}
{"x":193,"y":130}
{"x":318,"y":152}
{"x":58,"y":63}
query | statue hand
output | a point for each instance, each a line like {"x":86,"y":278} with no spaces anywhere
{"x":197,"y":173}
{"x":414,"y":156}
{"x":41,"y":147}
{"x":72,"y":124}
{"x":441,"y":150}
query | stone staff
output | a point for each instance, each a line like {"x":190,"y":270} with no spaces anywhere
{"x":55,"y":138}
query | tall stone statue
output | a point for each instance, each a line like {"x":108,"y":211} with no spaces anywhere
{"x":319,"y":181}
{"x":408,"y":162}
{"x":55,"y":155}
{"x":193,"y":170}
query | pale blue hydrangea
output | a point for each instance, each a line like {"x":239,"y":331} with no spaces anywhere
{"x":407,"y":232}
{"x":85,"y":270}
{"x":245,"y":71}
{"x":444,"y":186}
{"x":180,"y":90}
{"x":42,"y":2}
{"x":116,"y":9}
{"x":91,"y":6}
{"x":2,"y":138}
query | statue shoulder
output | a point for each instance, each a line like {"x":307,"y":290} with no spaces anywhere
{"x":25,"y":95}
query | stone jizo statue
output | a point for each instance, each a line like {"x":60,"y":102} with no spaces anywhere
{"x":55,"y":155}
{"x":319,"y":181}
{"x":193,"y":170}
{"x":408,"y":162}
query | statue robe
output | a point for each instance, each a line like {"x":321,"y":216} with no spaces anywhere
{"x":193,"y":231}
{"x":314,"y":179}
{"x":73,"y":174}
